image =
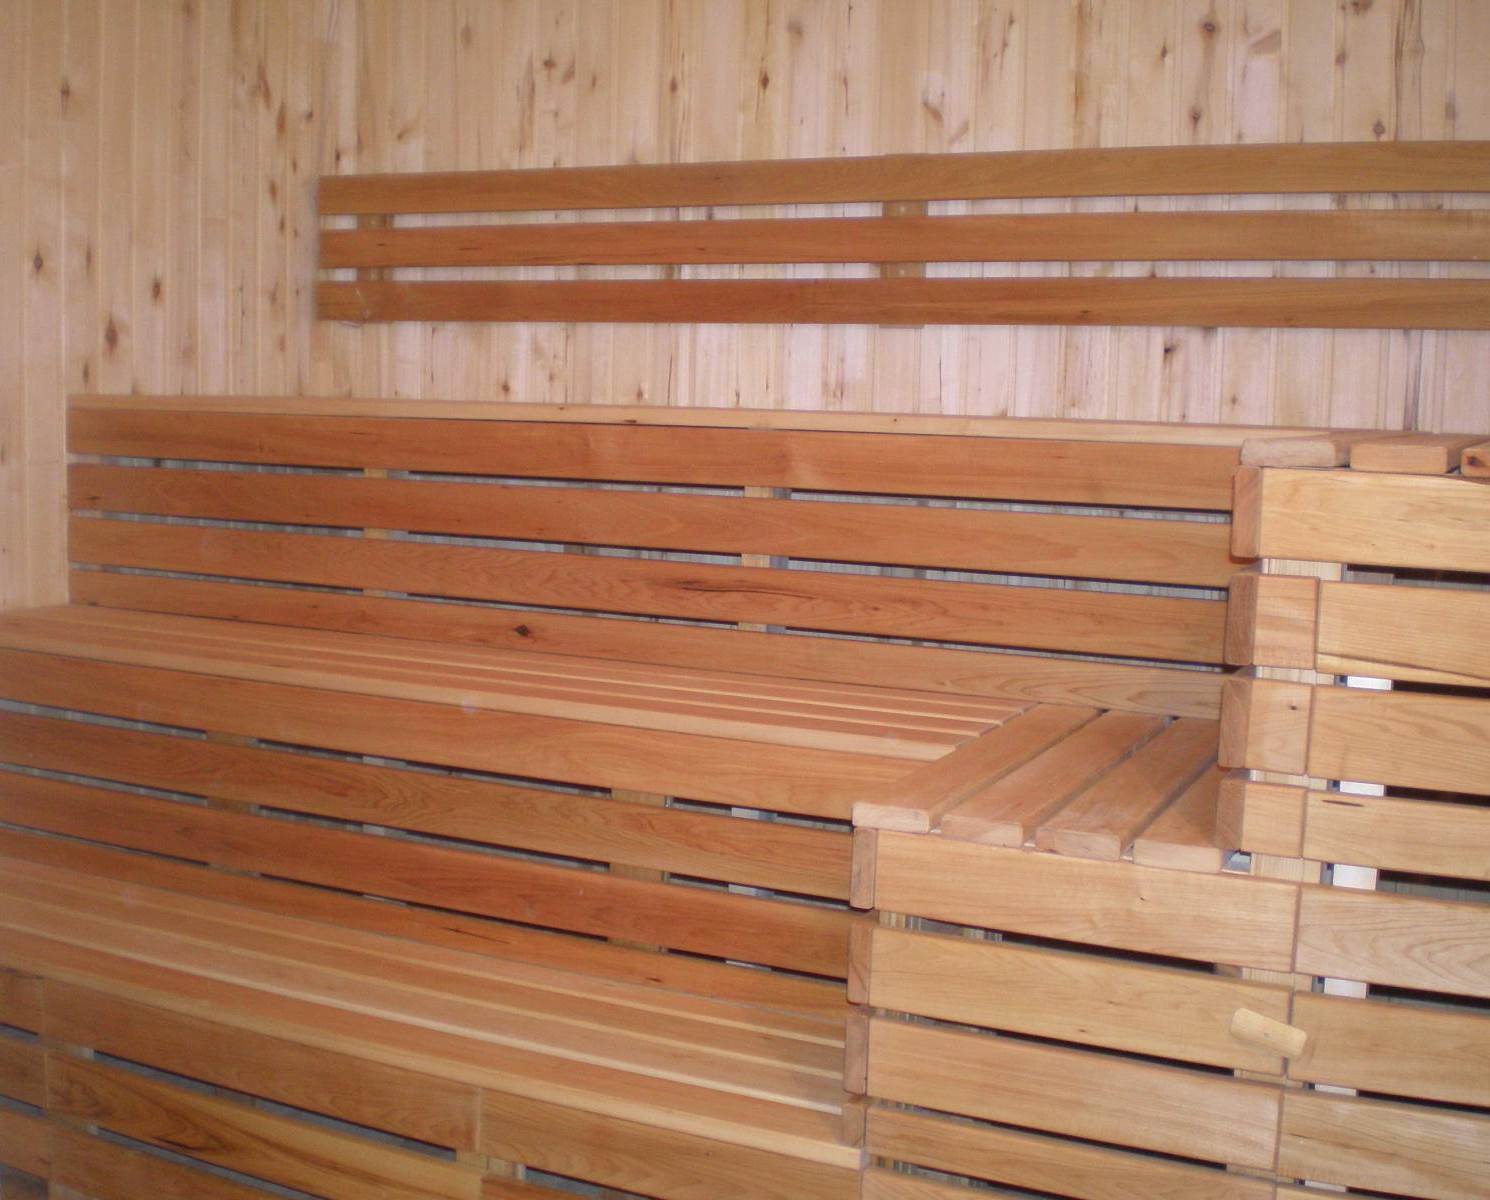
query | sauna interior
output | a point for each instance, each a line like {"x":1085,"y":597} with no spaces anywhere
{"x":745,"y":599}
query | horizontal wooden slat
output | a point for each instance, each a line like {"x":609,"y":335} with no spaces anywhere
{"x":241,"y":1138}
{"x":1214,"y":918}
{"x":21,"y":1069}
{"x":1405,"y":941}
{"x":423,"y":1107}
{"x":1437,"y":522}
{"x":1085,"y":1095}
{"x":1138,"y":626}
{"x":1412,"y":453}
{"x":1061,"y":237}
{"x":1424,"y":836}
{"x":819,"y":783}
{"x":1400,"y":1049}
{"x":1187,"y":835}
{"x":931,"y":669}
{"x":1261,"y":818}
{"x":1401,"y":738}
{"x":916,"y":803}
{"x":1384,"y":1147}
{"x":1071,"y":997}
{"x":635,"y":1157}
{"x":1065,"y":429}
{"x":1007,"y":810}
{"x":721,"y":924}
{"x":1102,"y":820}
{"x":1180,"y":552}
{"x":103,"y":1170}
{"x":763,"y":853}
{"x":817,"y":1003}
{"x":20,"y":1001}
{"x":25,"y":1143}
{"x":992,"y":468}
{"x":1274,"y":302}
{"x":881,"y":1183}
{"x":1332,"y":167}
{"x":1475,"y":461}
{"x":1048,"y":1164}
{"x":1432,"y":635}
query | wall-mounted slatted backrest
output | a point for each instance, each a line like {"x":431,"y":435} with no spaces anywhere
{"x":1370,"y":706}
{"x":374,"y":258}
{"x":943,"y":539}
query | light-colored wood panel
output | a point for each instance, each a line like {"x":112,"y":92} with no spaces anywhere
{"x":1071,"y":1092}
{"x":1070,"y":997}
{"x":1405,"y":941}
{"x":1147,"y":171}
{"x":1157,"y":690}
{"x":1213,"y":918}
{"x":1262,"y":818}
{"x":1427,"y":521}
{"x":1399,"y":236}
{"x":1449,"y":304}
{"x":1270,"y":620}
{"x":1048,"y":1164}
{"x":1400,"y":1049}
{"x":1178,"y":552}
{"x":1138,"y":626}
{"x":1384,"y":1147}
{"x":1412,"y":454}
{"x":1431,"y":635}
{"x":1188,"y":835}
{"x":638,"y":1158}
{"x":241,"y":1138}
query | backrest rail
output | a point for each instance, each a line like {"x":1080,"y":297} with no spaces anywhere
{"x":1140,"y":171}
{"x":1425,"y":235}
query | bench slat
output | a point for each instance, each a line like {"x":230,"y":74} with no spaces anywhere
{"x":1432,"y":635}
{"x":814,"y":782}
{"x":412,"y":1105}
{"x":1012,"y":468}
{"x":1384,"y":1147}
{"x":929,"y":669}
{"x":1449,"y":166}
{"x":762,"y":853}
{"x":239,"y":1137}
{"x":103,"y":1170}
{"x":1104,"y":818}
{"x":1048,"y":1164}
{"x":1445,"y":235}
{"x":1400,"y":1049}
{"x":1186,"y":836}
{"x":1094,"y":1096}
{"x":21,"y":1074}
{"x":1304,"y":303}
{"x":1071,"y":997}
{"x":1176,"y":552}
{"x":25,"y":1143}
{"x":796,"y":936}
{"x":1140,"y":626}
{"x":1236,"y":920}
{"x":1424,"y":836}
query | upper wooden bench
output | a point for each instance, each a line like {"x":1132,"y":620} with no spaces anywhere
{"x":393,"y":266}
{"x":568,"y":687}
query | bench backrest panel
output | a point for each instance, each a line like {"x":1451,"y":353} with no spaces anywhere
{"x":897,"y":246}
{"x":783,"y":528}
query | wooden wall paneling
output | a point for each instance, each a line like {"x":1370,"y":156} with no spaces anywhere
{"x":150,"y":228}
{"x":14,"y":20}
{"x":211,"y":216}
{"x":1249,"y":356}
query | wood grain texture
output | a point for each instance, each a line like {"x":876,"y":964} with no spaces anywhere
{"x":1048,"y":1164}
{"x":1430,"y":635}
{"x":1020,"y":1083}
{"x":24,"y":1143}
{"x":102,"y":1170}
{"x":1451,"y":304}
{"x":213,"y":161}
{"x":1213,"y":918}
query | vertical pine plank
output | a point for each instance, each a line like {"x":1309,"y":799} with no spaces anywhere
{"x":80,"y":132}
{"x":440,"y":348}
{"x":597,"y":29}
{"x":402,"y":112}
{"x":116,"y":177}
{"x":44,"y":568}
{"x":151,"y":222}
{"x":182,"y":178}
{"x":304,"y":127}
{"x":214,"y":173}
{"x":15,"y":487}
{"x":1247,"y":355}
